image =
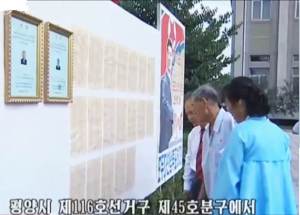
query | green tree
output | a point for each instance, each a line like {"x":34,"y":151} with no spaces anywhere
{"x":205,"y":39}
{"x":284,"y":101}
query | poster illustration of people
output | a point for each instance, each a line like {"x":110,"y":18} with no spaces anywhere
{"x":171,"y":96}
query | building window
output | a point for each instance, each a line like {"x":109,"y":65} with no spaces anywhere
{"x":295,"y":77}
{"x":256,"y":8}
{"x":260,"y":58}
{"x":261,"y":10}
{"x":295,"y":61}
{"x":260,"y":77}
{"x":297,"y":9}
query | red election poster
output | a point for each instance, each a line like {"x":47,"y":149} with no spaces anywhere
{"x":171,"y":95}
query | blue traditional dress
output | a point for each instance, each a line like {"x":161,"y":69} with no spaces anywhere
{"x":256,"y":165}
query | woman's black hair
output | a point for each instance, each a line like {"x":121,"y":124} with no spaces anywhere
{"x":244,"y":88}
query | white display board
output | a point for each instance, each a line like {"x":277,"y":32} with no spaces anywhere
{"x":37,"y":158}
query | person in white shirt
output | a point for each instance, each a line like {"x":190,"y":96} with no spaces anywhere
{"x":207,"y":109}
{"x":192,"y":184}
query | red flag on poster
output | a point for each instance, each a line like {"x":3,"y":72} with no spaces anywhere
{"x":117,"y":1}
{"x":173,"y":32}
{"x":164,"y":25}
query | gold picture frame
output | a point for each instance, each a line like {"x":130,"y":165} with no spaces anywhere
{"x":64,"y":94}
{"x":23,"y":38}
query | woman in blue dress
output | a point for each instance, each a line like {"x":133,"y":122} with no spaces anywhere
{"x":256,"y":162}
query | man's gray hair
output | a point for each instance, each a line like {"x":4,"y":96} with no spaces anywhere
{"x":206,"y":91}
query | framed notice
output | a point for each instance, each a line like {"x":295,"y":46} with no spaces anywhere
{"x":22,"y":57}
{"x":58,"y":64}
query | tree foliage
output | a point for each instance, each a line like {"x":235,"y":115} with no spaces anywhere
{"x":206,"y":37}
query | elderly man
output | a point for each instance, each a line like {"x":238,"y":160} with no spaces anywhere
{"x":192,"y":182}
{"x":220,"y":124}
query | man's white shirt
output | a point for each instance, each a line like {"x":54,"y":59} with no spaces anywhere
{"x":191,"y":157}
{"x":213,"y":147}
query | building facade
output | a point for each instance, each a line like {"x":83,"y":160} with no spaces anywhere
{"x":267,"y":42}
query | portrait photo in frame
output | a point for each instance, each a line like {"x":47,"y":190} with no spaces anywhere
{"x":23,"y":61}
{"x":58,"y":64}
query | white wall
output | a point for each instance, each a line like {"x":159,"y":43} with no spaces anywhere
{"x":34,"y":146}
